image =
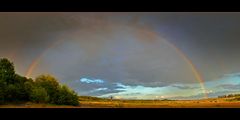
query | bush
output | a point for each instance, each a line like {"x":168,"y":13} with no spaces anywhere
{"x":65,"y":96}
{"x":50,"y":84}
{"x":58,"y":94}
{"x":12,"y":93}
{"x":39,"y":95}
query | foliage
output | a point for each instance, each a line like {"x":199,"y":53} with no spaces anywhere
{"x":91,"y":98}
{"x":7,"y":72}
{"x":45,"y":88}
{"x":39,"y":95}
{"x":229,"y":95}
{"x":58,"y":94}
{"x":2,"y":91}
{"x":50,"y":84}
{"x":66,"y":96}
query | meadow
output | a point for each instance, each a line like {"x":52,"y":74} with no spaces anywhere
{"x":93,"y":102}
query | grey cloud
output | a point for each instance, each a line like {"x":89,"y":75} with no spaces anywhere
{"x":117,"y":47}
{"x":200,"y":96}
{"x":230,"y":86}
{"x":184,"y":87}
{"x":232,"y":75}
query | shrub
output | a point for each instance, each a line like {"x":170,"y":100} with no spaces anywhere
{"x":65,"y":96}
{"x":50,"y":84}
{"x":58,"y":94}
{"x":39,"y":95}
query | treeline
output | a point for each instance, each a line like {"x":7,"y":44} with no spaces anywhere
{"x":229,"y":95}
{"x":44,"y":89}
{"x":91,"y":98}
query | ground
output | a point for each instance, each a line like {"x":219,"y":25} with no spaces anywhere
{"x":106,"y":103}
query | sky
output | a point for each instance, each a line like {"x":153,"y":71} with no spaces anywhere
{"x":128,"y":55}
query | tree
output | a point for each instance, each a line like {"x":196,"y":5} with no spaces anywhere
{"x":13,"y":87}
{"x":28,"y":87}
{"x":50,"y":84}
{"x":61,"y":95}
{"x":7,"y":72}
{"x":66,"y":96}
{"x":39,"y":95}
{"x":13,"y":93}
{"x":24,"y":88}
{"x":45,"y":88}
{"x":2,"y":92}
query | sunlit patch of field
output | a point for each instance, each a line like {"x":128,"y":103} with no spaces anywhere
{"x":89,"y":102}
{"x":209,"y":103}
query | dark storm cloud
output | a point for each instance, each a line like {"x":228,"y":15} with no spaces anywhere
{"x":118,"y":47}
{"x":25,"y":35}
{"x":209,"y":39}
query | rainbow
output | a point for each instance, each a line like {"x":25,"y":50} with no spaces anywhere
{"x":193,"y":68}
{"x":36,"y":61}
{"x":197,"y":75}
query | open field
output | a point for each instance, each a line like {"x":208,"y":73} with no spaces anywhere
{"x":106,"y":103}
{"x":208,"y":103}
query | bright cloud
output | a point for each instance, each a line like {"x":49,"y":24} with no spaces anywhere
{"x":99,"y":89}
{"x":86,"y":80}
{"x":227,"y":84}
{"x":138,"y":92}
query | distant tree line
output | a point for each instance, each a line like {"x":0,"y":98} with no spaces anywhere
{"x":44,"y":89}
{"x":229,"y":95}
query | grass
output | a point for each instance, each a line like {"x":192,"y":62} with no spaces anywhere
{"x":94,"y":102}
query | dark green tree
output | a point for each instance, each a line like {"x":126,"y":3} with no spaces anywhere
{"x":50,"y":84}
{"x":39,"y":95}
{"x":58,"y":94}
{"x":66,"y":96}
{"x":2,"y":91}
{"x":7,"y":72}
{"x":45,"y":88}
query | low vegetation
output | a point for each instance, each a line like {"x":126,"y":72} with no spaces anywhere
{"x":229,"y":95}
{"x":90,"y":98}
{"x":44,"y":89}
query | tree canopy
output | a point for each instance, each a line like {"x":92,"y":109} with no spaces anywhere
{"x":44,"y":89}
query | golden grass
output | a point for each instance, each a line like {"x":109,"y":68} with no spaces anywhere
{"x":105,"y":103}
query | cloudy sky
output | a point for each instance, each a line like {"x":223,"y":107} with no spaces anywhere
{"x":128,"y":55}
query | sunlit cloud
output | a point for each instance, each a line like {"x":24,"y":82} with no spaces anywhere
{"x":86,"y":80}
{"x":138,"y":92}
{"x":226,"y":84}
{"x":99,"y":89}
